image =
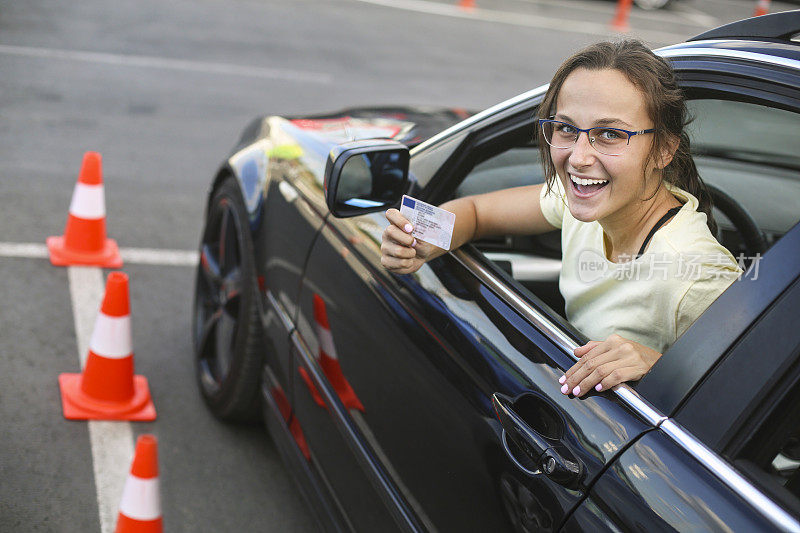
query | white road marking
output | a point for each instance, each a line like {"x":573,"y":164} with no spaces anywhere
{"x":140,"y":256}
{"x":523,"y":19}
{"x":202,"y":67}
{"x":152,"y":256}
{"x":24,"y":250}
{"x":111,"y":442}
{"x":694,"y":14}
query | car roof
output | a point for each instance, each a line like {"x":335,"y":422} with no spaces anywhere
{"x":785,"y":49}
{"x":768,"y":35}
{"x":782,"y":26}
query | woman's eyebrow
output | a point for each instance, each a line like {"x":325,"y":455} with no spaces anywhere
{"x":600,"y":122}
{"x":610,"y":121}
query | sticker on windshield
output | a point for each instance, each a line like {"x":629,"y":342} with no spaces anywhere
{"x":431,"y":224}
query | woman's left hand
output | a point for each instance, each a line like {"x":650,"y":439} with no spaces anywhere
{"x":604,"y":364}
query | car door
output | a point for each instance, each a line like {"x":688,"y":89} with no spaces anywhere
{"x":728,"y":459}
{"x":442,"y":385}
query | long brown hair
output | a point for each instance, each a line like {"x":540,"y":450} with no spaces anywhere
{"x":666,"y":106}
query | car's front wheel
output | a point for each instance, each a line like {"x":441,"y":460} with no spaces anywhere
{"x":226,"y":327}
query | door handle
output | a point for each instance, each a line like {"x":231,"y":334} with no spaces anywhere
{"x":543,"y":449}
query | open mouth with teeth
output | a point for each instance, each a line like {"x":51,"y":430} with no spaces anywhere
{"x":585,"y":186}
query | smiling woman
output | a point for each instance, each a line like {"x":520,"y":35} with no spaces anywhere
{"x":640,"y":262}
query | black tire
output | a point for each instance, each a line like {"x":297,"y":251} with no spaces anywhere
{"x":226,"y":325}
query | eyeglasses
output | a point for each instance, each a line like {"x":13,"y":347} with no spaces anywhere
{"x":608,"y":141}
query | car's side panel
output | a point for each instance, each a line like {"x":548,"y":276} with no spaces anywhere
{"x":287,"y":435}
{"x":418,"y":358}
{"x":344,"y":465}
{"x":657,"y":486}
{"x":275,"y":173}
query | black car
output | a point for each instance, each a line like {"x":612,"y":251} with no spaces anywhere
{"x":430,"y":401}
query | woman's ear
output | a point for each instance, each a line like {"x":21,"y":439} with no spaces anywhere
{"x":667,"y":152}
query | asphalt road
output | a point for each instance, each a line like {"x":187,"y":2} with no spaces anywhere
{"x":162,"y":90}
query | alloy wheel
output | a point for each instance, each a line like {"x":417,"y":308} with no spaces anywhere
{"x":218,"y":303}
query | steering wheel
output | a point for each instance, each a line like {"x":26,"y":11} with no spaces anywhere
{"x":752,"y":237}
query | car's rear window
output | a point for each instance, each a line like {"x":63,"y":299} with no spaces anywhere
{"x":751,"y":152}
{"x":745,"y":131}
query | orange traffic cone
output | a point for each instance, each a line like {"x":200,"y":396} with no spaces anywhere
{"x":140,"y":508}
{"x":328,"y":360}
{"x":762,"y":8}
{"x":620,"y":20}
{"x":107,"y":389}
{"x":466,"y":5}
{"x":84,"y":241}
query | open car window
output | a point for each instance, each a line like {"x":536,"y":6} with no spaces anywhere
{"x":755,"y":162}
{"x":534,"y":261}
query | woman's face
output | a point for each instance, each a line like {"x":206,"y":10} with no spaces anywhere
{"x":590,"y":98}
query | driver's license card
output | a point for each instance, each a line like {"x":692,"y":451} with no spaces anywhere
{"x":431,"y":224}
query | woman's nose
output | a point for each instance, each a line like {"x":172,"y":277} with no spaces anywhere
{"x":582,"y":151}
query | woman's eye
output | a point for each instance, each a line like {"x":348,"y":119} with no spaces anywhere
{"x":609,"y":135}
{"x":565,"y":128}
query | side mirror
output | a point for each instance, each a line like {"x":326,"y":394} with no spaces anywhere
{"x":365,"y":176}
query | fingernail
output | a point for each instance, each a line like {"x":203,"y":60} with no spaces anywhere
{"x":576,"y":391}
{"x":564,"y":389}
{"x":408,"y":228}
{"x":562,"y":379}
{"x":414,"y":243}
{"x":598,"y":387}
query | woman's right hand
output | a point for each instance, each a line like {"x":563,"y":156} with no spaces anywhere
{"x":400,"y":252}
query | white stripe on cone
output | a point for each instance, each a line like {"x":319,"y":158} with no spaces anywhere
{"x":88,"y":202}
{"x":141,"y":499}
{"x":111,"y":337}
{"x":326,"y":341}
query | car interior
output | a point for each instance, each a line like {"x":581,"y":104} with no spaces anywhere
{"x":752,"y":169}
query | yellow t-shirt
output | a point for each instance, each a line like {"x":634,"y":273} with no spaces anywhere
{"x":652,"y":299}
